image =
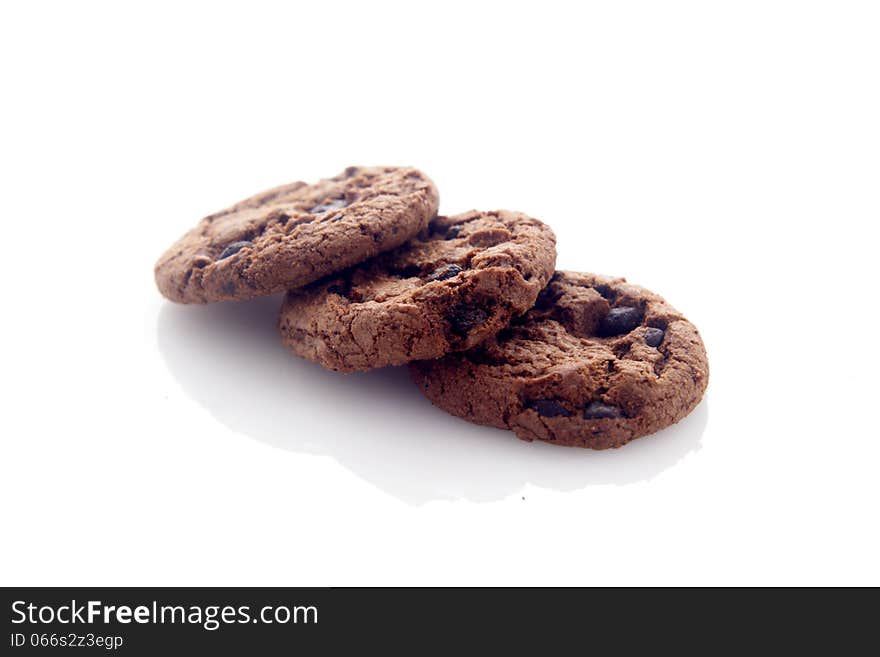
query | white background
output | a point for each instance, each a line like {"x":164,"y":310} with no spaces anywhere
{"x":725,"y":155}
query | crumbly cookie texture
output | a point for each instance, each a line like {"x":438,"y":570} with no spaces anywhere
{"x":292,"y":235}
{"x":597,"y":363}
{"x":460,"y":281}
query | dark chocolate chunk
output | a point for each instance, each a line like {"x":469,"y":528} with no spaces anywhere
{"x":233,"y":248}
{"x":444,"y":272}
{"x":619,"y":321}
{"x":654,"y":336}
{"x":598,"y":411}
{"x":465,"y":317}
{"x":335,"y":204}
{"x":549,"y":408}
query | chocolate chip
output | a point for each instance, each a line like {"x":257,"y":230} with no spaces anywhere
{"x":598,"y":411}
{"x":619,"y":321}
{"x":453,"y":232}
{"x":228,"y":288}
{"x":444,"y":272}
{"x":549,"y":408}
{"x":465,"y":317}
{"x":654,"y":336}
{"x":335,"y":204}
{"x":233,"y":248}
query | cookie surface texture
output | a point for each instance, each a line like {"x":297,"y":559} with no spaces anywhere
{"x":291,"y":235}
{"x":597,"y":363}
{"x":460,"y":281}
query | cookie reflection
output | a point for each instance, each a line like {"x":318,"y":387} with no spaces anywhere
{"x":228,"y":357}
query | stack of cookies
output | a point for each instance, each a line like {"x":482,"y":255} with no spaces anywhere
{"x":472,"y":302}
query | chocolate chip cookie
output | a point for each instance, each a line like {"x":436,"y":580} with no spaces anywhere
{"x":596,"y":363}
{"x":460,"y":281}
{"x":292,"y":235}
